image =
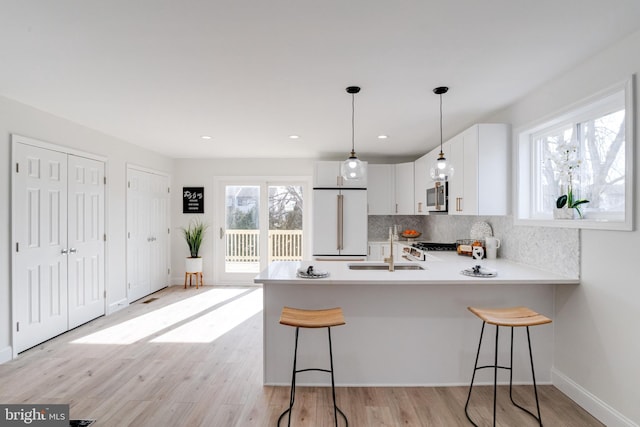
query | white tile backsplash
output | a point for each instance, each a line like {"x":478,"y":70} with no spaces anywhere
{"x":553,"y":249}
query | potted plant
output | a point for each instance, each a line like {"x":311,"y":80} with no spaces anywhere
{"x":193,"y":235}
{"x":566,"y":163}
{"x":568,"y":200}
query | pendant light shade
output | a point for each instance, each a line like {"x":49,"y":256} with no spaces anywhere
{"x":442,"y":169}
{"x":353,"y":169}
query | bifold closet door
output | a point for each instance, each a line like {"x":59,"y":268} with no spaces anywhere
{"x":40,"y":226}
{"x":85,"y":239}
{"x":58,"y":225}
{"x":147,"y":233}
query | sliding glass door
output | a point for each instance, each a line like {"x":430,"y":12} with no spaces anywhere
{"x":261,"y":222}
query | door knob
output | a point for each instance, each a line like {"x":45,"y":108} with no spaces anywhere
{"x":63,"y":251}
{"x":73,"y":250}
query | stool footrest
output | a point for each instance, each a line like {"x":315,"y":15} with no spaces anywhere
{"x":313,"y":369}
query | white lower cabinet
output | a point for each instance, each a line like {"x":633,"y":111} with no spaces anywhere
{"x":378,"y":251}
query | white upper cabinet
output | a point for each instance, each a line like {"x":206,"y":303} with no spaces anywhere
{"x":480,"y":184}
{"x":404,"y":191}
{"x":326,"y":174}
{"x":380,"y":188}
{"x":422,"y":181}
{"x":390,"y":189}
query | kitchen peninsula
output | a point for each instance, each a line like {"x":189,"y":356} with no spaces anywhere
{"x":407,"y":327}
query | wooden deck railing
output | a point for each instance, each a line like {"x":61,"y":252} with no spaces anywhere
{"x":244,"y":245}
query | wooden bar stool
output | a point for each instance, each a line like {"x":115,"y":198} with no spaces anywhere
{"x":512,"y":317}
{"x":300,"y":318}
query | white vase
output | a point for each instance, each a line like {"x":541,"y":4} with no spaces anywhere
{"x":564,"y":213}
{"x":193,"y":265}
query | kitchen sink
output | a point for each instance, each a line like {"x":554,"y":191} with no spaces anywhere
{"x":368,"y":266}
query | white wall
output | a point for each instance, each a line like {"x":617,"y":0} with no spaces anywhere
{"x":202,"y":173}
{"x":597,"y":345}
{"x":23,"y":120}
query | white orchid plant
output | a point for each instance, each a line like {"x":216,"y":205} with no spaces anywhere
{"x":566,"y":163}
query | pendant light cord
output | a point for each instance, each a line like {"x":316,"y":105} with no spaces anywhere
{"x":353,"y":123}
{"x":441,"y":124}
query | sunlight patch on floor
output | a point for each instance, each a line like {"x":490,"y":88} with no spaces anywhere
{"x":210,"y":326}
{"x":148,"y":324}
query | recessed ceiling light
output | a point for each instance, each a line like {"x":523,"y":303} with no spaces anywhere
{"x":206,"y":137}
{"x":382,"y":137}
{"x":294,"y":136}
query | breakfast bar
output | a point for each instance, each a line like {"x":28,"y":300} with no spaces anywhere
{"x":409,"y":327}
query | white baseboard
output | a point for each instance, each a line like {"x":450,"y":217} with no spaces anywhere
{"x":6,"y":354}
{"x":117,"y":306}
{"x":596,"y":407}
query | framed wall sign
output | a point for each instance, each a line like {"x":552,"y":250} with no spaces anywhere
{"x":193,"y":200}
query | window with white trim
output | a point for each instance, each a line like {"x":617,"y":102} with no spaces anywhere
{"x":584,"y":153}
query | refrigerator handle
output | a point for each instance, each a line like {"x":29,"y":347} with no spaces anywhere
{"x":340,"y":221}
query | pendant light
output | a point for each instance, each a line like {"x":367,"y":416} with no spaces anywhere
{"x":442,"y":170}
{"x":353,"y":169}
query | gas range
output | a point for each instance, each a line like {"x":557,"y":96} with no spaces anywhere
{"x":417,"y":251}
{"x":434,"y":246}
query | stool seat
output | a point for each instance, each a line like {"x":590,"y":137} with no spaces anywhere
{"x":511,"y":316}
{"x":312,"y":318}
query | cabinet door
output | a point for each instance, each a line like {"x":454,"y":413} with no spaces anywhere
{"x":454,"y":151}
{"x":469,"y":204}
{"x":463,"y":186}
{"x":404,"y":188}
{"x":493,"y":169}
{"x":374,"y":252}
{"x":421,"y":180}
{"x":380,"y":189}
{"x":480,"y":184}
{"x":378,"y":251}
{"x":326,"y":175}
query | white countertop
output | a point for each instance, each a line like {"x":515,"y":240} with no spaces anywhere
{"x":443,"y":268}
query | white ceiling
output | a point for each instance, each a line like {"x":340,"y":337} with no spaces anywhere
{"x":161,"y":73}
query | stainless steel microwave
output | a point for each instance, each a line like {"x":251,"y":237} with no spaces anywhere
{"x":438,"y":197}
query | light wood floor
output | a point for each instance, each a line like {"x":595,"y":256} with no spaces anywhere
{"x":169,"y":363}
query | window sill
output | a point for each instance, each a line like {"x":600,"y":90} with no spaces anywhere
{"x":584,"y":223}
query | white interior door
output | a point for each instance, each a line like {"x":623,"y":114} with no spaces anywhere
{"x":147,"y":233}
{"x":86,"y":240}
{"x":159,"y":232}
{"x":40,"y":234}
{"x":138,"y":234}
